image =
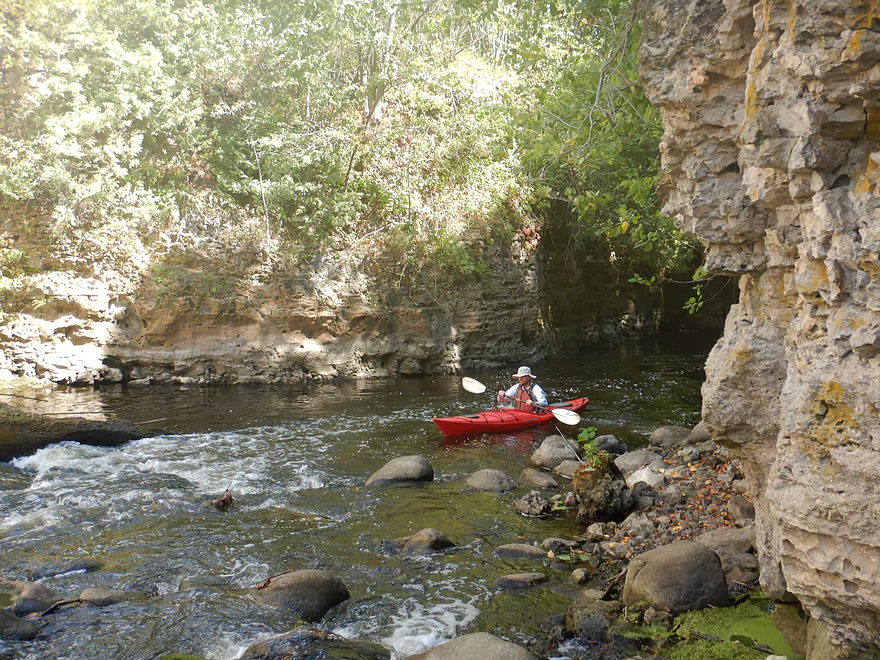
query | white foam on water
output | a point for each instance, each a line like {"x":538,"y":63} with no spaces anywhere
{"x":417,"y":628}
{"x":166,"y":471}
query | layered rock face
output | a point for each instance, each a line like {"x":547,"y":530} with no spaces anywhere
{"x":65,"y":320}
{"x":771,"y":157}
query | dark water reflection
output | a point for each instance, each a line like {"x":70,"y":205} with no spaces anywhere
{"x":296,"y":459}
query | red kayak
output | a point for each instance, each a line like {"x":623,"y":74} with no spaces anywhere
{"x":503,"y":419}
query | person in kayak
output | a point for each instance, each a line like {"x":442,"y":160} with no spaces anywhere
{"x":525,"y":393}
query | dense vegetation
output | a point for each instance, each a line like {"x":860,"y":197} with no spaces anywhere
{"x":411,"y":138}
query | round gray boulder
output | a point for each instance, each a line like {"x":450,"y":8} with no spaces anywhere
{"x":669,"y":436}
{"x":490,"y":480}
{"x":402,"y":469}
{"x":308,"y":594}
{"x":477,"y":645}
{"x":553,"y":451}
{"x":678,"y":577}
{"x":427,"y":539}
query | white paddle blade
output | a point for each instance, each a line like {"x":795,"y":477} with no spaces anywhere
{"x":472,"y":385}
{"x":569,"y":417}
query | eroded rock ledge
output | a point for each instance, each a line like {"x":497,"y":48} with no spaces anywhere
{"x":772,"y":158}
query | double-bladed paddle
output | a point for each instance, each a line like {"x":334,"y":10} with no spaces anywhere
{"x":569,"y":417}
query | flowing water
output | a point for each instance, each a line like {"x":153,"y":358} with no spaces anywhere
{"x":296,"y":459}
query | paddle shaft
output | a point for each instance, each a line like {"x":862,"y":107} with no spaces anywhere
{"x":530,"y":403}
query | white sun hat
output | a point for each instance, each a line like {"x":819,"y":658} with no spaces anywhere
{"x":523,"y":371}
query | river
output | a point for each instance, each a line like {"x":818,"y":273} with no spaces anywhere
{"x":295,"y":460}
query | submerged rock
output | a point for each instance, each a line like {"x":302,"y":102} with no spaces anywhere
{"x":402,"y":469}
{"x":308,"y":594}
{"x":314,"y":643}
{"x":427,"y":539}
{"x":12,"y":628}
{"x":490,"y":480}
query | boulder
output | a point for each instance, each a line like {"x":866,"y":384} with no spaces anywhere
{"x":697,"y":436}
{"x":735,"y":539}
{"x":476,"y":645}
{"x":636,"y":460}
{"x":610,"y":444}
{"x":402,"y":469}
{"x":520,"y":551}
{"x":14,"y":629}
{"x":520,"y":580}
{"x":553,"y":451}
{"x":676,"y":578}
{"x":567,"y":468}
{"x":427,"y":539}
{"x":648,"y":476}
{"x":314,"y":643}
{"x":308,"y":594}
{"x":602,"y":490}
{"x":532,"y":477}
{"x":669,"y":436}
{"x":490,"y":480}
{"x":30,"y":597}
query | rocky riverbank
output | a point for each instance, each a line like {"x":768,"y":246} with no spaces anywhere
{"x":685,"y":500}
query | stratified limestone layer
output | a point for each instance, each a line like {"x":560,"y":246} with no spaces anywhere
{"x":771,"y":157}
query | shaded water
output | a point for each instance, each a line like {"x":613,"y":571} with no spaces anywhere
{"x":296,"y":460}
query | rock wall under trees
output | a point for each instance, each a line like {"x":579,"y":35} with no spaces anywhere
{"x":771,"y":157}
{"x":71,"y":320}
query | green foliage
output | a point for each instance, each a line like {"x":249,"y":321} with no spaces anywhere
{"x":413,"y":140}
{"x":589,"y":446}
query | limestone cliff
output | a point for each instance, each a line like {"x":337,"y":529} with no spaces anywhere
{"x":771,"y":157}
{"x":146,"y":318}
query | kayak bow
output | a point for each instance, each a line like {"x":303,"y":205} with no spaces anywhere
{"x":503,"y":419}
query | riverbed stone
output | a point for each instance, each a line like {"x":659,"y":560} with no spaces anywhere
{"x":314,"y":643}
{"x":678,"y":577}
{"x":641,"y":458}
{"x":567,"y":468}
{"x":741,"y":510}
{"x":521,"y":580}
{"x":669,"y":436}
{"x":30,"y":597}
{"x":490,"y":480}
{"x":64,"y":565}
{"x":476,"y":645}
{"x":735,"y":539}
{"x":532,"y":477}
{"x":308,"y":594}
{"x":590,"y":618}
{"x":792,"y":626}
{"x":102,"y":597}
{"x":611,"y":444}
{"x":698,"y":435}
{"x":427,"y":539}
{"x":553,"y":451}
{"x":14,"y":629}
{"x":533,"y":505}
{"x":402,"y":469}
{"x":647,"y":476}
{"x":520,"y":551}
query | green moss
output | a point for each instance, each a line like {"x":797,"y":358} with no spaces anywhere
{"x":706,"y":650}
{"x":180,"y":656}
{"x":750,"y":620}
